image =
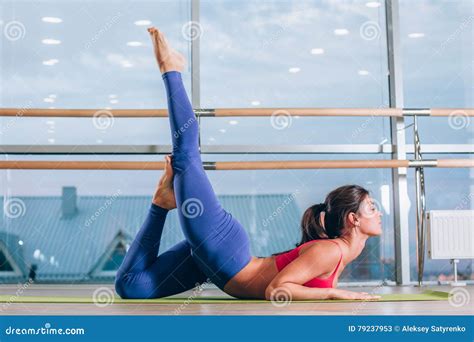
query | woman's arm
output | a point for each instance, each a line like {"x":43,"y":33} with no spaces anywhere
{"x":315,"y":262}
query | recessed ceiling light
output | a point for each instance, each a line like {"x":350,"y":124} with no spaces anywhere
{"x":341,"y":32}
{"x":416,"y":35}
{"x":114,"y":101}
{"x":50,"y":41}
{"x":222,"y":130}
{"x":255,"y":103}
{"x":134,"y":44}
{"x":372,"y":4}
{"x":294,"y":70}
{"x":51,"y":140}
{"x":50,"y":62}
{"x":143,"y":22}
{"x":233,"y":122}
{"x":112,"y":96}
{"x":53,"y":96}
{"x":363,"y":72}
{"x":48,"y":99}
{"x":127,"y":64}
{"x":317,"y":51}
{"x":52,"y":20}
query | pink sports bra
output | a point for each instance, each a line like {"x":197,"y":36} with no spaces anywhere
{"x":282,"y":260}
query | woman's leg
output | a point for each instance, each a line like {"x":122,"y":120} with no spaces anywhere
{"x":219,"y":243}
{"x":144,"y":275}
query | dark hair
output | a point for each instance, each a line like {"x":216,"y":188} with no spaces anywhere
{"x":337,"y":205}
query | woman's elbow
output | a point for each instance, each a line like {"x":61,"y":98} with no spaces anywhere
{"x":277,"y":292}
{"x":268,"y":292}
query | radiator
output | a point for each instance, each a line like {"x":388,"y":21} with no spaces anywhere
{"x":450,"y":234}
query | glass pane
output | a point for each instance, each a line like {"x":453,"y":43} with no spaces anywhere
{"x":85,"y":54}
{"x":446,"y":189}
{"x":294,"y":54}
{"x":68,"y":249}
{"x":437,"y":54}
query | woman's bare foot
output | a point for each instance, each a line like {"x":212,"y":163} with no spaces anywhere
{"x":168,"y":58}
{"x":164,"y":194}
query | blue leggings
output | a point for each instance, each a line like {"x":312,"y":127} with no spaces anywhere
{"x":216,"y":246}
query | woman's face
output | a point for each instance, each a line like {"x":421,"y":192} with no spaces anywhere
{"x":370,"y":218}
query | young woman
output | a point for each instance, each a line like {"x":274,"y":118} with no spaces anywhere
{"x":216,"y":245}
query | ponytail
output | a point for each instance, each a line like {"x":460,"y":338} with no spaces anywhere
{"x":313,"y":225}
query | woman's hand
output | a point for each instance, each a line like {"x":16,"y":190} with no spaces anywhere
{"x":164,"y":194}
{"x":343,"y":294}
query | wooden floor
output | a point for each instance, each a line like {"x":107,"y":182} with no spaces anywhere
{"x":359,"y":308}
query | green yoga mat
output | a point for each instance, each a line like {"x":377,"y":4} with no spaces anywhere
{"x":425,"y":296}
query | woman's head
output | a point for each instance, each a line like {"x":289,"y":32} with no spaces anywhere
{"x":346,"y":208}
